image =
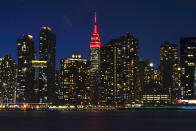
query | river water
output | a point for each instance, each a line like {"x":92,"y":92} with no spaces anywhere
{"x":99,"y":121}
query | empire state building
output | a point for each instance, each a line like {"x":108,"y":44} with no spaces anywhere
{"x":95,"y":45}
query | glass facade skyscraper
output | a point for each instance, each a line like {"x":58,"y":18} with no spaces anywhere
{"x":47,"y":52}
{"x":188,"y":61}
{"x":26,"y":72}
{"x":119,"y":70}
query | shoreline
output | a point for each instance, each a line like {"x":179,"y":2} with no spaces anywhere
{"x":103,"y":110}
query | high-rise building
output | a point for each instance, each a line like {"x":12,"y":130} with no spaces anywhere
{"x":188,"y":61}
{"x":152,"y":93}
{"x":169,"y":67}
{"x":26,"y":73}
{"x":108,"y":75}
{"x":95,"y":44}
{"x":119,"y":71}
{"x":37,"y":64}
{"x":47,"y":52}
{"x":146,"y":72}
{"x":74,"y":81}
{"x":8,"y":73}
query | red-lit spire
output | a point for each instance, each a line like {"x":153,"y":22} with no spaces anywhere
{"x":95,"y":25}
{"x":95,"y":39}
{"x":95,"y":18}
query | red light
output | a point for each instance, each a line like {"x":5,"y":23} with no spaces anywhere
{"x":95,"y":39}
{"x":95,"y":45}
{"x":179,"y":102}
{"x":95,"y":18}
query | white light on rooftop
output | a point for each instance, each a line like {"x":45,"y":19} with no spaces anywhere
{"x":151,"y":64}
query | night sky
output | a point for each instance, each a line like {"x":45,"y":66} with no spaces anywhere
{"x":151,"y":21}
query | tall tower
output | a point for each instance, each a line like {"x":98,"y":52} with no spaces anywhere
{"x":47,"y":52}
{"x":95,"y":45}
{"x":188,"y":61}
{"x":74,"y":81}
{"x":169,"y":67}
{"x":8,"y":73}
{"x":26,"y":73}
{"x":119,"y":71}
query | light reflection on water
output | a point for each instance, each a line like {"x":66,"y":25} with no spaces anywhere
{"x":98,"y":121}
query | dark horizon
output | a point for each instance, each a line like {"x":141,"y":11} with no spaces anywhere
{"x":152,"y":22}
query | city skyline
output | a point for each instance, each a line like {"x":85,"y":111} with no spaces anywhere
{"x":142,"y":21}
{"x":115,"y":72}
{"x":97,"y":65}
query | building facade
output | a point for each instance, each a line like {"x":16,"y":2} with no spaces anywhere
{"x":74,"y":81}
{"x":57,"y":86}
{"x":170,"y":70}
{"x":157,"y":79}
{"x":188,"y":59}
{"x":154,"y":95}
{"x":151,"y":93}
{"x":95,"y":44}
{"x":26,"y":73}
{"x":146,"y":72}
{"x":47,"y":52}
{"x":8,"y":83}
{"x":119,"y":70}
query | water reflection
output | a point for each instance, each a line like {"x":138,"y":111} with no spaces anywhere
{"x":98,"y":121}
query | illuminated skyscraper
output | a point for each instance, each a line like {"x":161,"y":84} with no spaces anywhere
{"x":47,"y":52}
{"x":188,"y":61}
{"x":36,"y":94}
{"x":169,"y":67}
{"x":26,"y":73}
{"x":108,"y":75}
{"x":8,"y":75}
{"x":95,"y":44}
{"x":74,"y":81}
{"x":57,"y":86}
{"x":119,"y":71}
{"x":152,"y":93}
{"x":146,"y":72}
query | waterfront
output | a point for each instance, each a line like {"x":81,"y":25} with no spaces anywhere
{"x":98,"y":121}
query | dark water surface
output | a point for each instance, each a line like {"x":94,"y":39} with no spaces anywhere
{"x":98,"y":121}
